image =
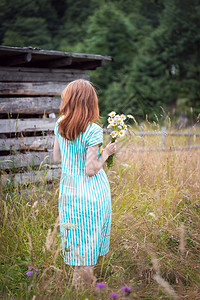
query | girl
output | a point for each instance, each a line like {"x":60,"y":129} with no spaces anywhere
{"x":84,"y":194}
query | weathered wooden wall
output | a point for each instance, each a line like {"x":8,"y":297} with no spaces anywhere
{"x":29,"y":106}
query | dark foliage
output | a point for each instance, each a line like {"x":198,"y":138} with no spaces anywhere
{"x":154,"y":44}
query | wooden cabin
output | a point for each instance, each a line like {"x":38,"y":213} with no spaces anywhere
{"x":31,"y":81}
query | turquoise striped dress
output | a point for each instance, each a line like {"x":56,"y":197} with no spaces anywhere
{"x":84,"y":202}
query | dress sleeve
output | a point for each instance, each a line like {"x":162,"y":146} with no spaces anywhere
{"x":95,"y":137}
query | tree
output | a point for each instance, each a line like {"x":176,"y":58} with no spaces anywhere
{"x":181,"y":20}
{"x":166,"y":69}
{"x":28,"y":32}
{"x":72,"y":32}
{"x":26,"y":23}
{"x":110,"y":33}
{"x":119,"y":29}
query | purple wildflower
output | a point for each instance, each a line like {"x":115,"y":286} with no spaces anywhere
{"x":101,"y":285}
{"x":190,"y":221}
{"x":37,"y":270}
{"x":114,"y":295}
{"x":29,"y":273}
{"x":33,"y":268}
{"x":126,"y":289}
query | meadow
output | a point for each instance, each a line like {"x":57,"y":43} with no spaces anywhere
{"x":155,"y":233}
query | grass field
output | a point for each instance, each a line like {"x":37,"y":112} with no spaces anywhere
{"x":155,"y":234}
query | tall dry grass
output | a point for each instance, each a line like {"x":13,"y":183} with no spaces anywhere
{"x":155,"y":235}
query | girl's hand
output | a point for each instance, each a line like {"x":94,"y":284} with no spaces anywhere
{"x":111,"y":148}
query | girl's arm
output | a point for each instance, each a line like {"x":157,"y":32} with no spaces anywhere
{"x":56,"y":151}
{"x":93,"y":165}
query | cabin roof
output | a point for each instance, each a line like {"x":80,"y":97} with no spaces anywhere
{"x":40,"y":58}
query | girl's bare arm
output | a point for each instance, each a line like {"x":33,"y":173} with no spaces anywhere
{"x":93,"y":165}
{"x":56,"y":151}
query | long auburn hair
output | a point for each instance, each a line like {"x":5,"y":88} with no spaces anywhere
{"x":79,"y":107}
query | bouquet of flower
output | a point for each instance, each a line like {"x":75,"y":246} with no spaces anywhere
{"x":119,"y":129}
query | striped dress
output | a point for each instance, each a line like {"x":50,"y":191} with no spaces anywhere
{"x":84,"y":202}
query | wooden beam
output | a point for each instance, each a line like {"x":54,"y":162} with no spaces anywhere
{"x":15,"y":144}
{"x":41,"y":70}
{"x":33,"y":148}
{"x":32,"y":159}
{"x":40,"y":74}
{"x":16,"y":59}
{"x":30,"y":105}
{"x":26,"y":125}
{"x":52,"y":53}
{"x":57,"y":63}
{"x":32,"y":176}
{"x":87,"y":65}
{"x":32,"y":88}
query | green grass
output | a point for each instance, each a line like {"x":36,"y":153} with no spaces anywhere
{"x":155,"y":232}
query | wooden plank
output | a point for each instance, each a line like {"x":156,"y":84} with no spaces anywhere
{"x":15,"y":144}
{"x":40,"y":74}
{"x":56,"y":63}
{"x":31,"y":159}
{"x":41,"y":70}
{"x":91,"y":65}
{"x":33,"y":148}
{"x":32,"y":88}
{"x":30,"y":105}
{"x":40,"y":52}
{"x":170,"y":149}
{"x":16,"y":59}
{"x":32,"y":176}
{"x":149,"y":133}
{"x":26,"y":125}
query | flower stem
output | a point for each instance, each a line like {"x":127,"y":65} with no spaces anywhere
{"x":109,"y":160}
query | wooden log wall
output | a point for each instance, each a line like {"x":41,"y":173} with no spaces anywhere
{"x":29,"y":107}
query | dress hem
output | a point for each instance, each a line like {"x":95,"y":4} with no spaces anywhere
{"x":86,"y":265}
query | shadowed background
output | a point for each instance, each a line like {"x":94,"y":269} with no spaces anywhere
{"x":154,"y":44}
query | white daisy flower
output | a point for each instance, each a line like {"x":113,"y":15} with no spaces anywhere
{"x":114,"y":123}
{"x":124,"y":126}
{"x":125,"y":129}
{"x":122,"y":133}
{"x":123,"y":117}
{"x":120,"y":127}
{"x":114,"y":134}
{"x":110,"y":120}
{"x":121,"y":122}
{"x":112,"y":114}
{"x":110,"y":125}
{"x":117,"y":117}
{"x":130,"y":116}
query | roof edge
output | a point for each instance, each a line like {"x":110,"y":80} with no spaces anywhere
{"x":54,"y":52}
